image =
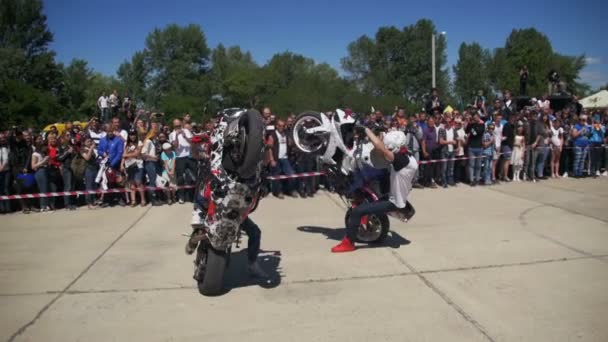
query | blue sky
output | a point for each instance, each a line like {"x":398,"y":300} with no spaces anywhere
{"x":106,"y":33}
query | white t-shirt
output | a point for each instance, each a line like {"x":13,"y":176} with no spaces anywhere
{"x":96,"y":136}
{"x":149,"y":150}
{"x":462,"y":138}
{"x":401,"y":181}
{"x":282,"y":140}
{"x":544,"y":104}
{"x":183,"y":146}
{"x":103,"y":102}
{"x":497,"y":135}
{"x":114,"y":100}
{"x":555,"y":134}
{"x":449,"y":137}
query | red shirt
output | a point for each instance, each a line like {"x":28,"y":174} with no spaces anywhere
{"x":53,"y":157}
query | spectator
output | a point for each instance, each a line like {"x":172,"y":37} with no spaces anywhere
{"x":498,"y":127}
{"x":102,"y":103}
{"x":460,"y":163}
{"x":488,"y":143}
{"x":89,"y":154}
{"x":40,"y":164}
{"x":519,"y":146}
{"x":510,"y":106}
{"x":65,"y":155}
{"x":580,"y":133}
{"x":133,"y":165}
{"x":508,"y":138}
{"x":21,"y":163}
{"x":150,"y":157}
{"x":434,"y":103}
{"x":116,"y":127}
{"x":113,"y":100}
{"x":542,"y":145}
{"x":112,"y":147}
{"x":5,"y":174}
{"x":94,"y":131}
{"x":447,"y":140}
{"x":475,"y":132}
{"x":279,"y":143}
{"x":598,"y":132}
{"x":431,"y":150}
{"x":187,"y":119}
{"x":168,"y":157}
{"x":544,"y":103}
{"x":413,"y":136}
{"x":54,"y":167}
{"x":557,"y":142}
{"x":180,"y":138}
{"x":480,"y":104}
{"x":530,"y":155}
{"x":524,"y":75}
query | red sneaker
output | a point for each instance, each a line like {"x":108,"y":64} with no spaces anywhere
{"x":344,"y":246}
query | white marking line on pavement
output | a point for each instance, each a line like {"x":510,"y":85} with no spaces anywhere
{"x":47,"y":306}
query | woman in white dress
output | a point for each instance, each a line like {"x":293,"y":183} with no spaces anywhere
{"x":517,"y":156}
{"x":557,"y":141}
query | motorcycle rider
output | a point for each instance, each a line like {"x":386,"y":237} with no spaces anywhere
{"x":402,"y":170}
{"x":201,"y":206}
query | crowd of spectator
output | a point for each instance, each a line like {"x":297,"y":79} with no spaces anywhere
{"x":485,"y":144}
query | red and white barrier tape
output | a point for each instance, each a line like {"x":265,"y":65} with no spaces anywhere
{"x":297,"y":175}
{"x":86,"y":192}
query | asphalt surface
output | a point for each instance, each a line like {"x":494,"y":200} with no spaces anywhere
{"x":513,"y":262}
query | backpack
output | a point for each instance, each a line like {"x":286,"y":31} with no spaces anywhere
{"x":78,"y":166}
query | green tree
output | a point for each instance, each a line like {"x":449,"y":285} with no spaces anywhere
{"x":29,"y":77}
{"x":471,"y":72}
{"x":77,"y":82}
{"x":532,"y":48}
{"x":134,"y":76}
{"x":397,"y":63}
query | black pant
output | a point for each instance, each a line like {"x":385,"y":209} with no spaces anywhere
{"x":306,"y":184}
{"x":596,"y":151}
{"x":5,"y":186}
{"x":523,"y":88}
{"x":182,"y":166}
{"x":254,"y":235}
{"x":433,"y":170}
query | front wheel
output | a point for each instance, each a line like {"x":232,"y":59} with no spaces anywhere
{"x":212,"y":282}
{"x":374,"y":228}
{"x":305,"y":142}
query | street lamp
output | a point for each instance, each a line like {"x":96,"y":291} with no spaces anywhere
{"x":433,"y":55}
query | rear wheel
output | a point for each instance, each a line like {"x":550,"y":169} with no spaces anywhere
{"x":374,"y":231}
{"x":307,"y":142}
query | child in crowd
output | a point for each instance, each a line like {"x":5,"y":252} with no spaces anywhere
{"x":168,"y":159}
{"x":517,"y":157}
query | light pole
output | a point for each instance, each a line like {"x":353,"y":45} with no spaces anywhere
{"x":433,"y":56}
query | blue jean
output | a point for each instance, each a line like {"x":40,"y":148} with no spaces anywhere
{"x":150,"y":167}
{"x":447,"y":167}
{"x":68,"y":184}
{"x":475,"y":164}
{"x":5,"y":185}
{"x":487,"y":166}
{"x":105,"y":115}
{"x":89,"y":182}
{"x":254,"y":236}
{"x":541,"y":158}
{"x":283,"y":168}
{"x":579,"y":159}
{"x":42,"y":180}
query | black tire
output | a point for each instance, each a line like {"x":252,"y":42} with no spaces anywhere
{"x":252,"y":148}
{"x":212,"y":283}
{"x":302,"y":120}
{"x":385,"y":226}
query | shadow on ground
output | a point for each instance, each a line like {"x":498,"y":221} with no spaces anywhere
{"x":237,"y":275}
{"x":393,"y":240}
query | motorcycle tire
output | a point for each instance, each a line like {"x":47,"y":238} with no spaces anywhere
{"x":252,"y":148}
{"x":381,"y":220}
{"x":297,"y":135}
{"x":212,"y":283}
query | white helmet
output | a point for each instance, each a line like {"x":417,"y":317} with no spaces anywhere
{"x":394,"y":140}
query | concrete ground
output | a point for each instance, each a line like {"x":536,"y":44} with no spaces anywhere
{"x":514,"y":262}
